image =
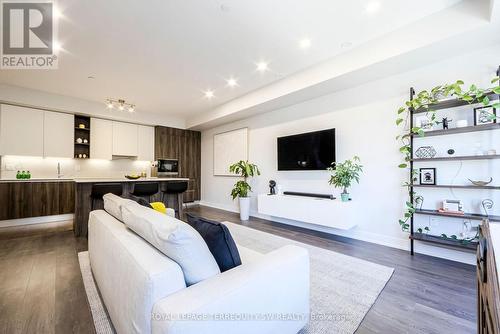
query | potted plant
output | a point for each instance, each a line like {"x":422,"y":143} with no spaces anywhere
{"x":242,"y":188}
{"x":343,"y":173}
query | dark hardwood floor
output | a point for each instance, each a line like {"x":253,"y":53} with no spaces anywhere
{"x":41,"y":290}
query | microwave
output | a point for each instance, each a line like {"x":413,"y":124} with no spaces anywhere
{"x":168,"y":167}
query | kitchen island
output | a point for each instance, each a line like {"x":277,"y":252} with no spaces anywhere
{"x":83,"y":201}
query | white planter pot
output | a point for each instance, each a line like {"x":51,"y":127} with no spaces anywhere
{"x":244,"y":208}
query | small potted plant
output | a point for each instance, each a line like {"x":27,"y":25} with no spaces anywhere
{"x":242,"y":188}
{"x":343,"y":174}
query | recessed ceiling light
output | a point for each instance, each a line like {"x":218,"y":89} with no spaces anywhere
{"x":305,"y":43}
{"x":231,"y":82}
{"x":262,"y":66}
{"x":209,"y":94}
{"x":56,"y":13}
{"x":56,"y":46}
{"x":372,"y":6}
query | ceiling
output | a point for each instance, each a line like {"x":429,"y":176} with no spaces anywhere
{"x":163,"y":54}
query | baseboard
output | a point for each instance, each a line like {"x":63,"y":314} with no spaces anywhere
{"x":375,"y":238}
{"x":35,"y":220}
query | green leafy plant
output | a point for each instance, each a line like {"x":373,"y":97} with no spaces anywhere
{"x":245,"y":170}
{"x":423,"y":101}
{"x":344,"y":173}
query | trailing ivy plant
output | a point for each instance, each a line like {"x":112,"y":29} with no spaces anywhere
{"x":423,"y":101}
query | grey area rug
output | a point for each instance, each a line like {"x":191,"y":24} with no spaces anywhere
{"x":102,"y":322}
{"x":343,"y":288}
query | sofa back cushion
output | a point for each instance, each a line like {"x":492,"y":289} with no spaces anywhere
{"x":175,"y":239}
{"x":113,"y":205}
{"x":219,"y":241}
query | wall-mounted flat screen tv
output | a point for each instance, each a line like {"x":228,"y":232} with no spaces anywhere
{"x":307,"y":151}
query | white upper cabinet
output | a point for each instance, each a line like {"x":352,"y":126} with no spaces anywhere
{"x":101,"y":139}
{"x":146,"y":143}
{"x":124,"y":139}
{"x":58,"y":135}
{"x":21,"y":131}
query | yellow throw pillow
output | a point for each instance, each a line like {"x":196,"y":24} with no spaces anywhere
{"x":160,"y":207}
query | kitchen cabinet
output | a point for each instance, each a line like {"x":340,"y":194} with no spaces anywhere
{"x":25,"y":199}
{"x":45,"y":199}
{"x":184,"y":145}
{"x":125,"y":139}
{"x":101,"y":139}
{"x":58,"y":135}
{"x":145,"y":143}
{"x":21,"y":131}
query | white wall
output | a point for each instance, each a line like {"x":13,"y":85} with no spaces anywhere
{"x":364,"y":121}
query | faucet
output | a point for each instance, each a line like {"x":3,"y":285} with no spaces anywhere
{"x":59,"y":170}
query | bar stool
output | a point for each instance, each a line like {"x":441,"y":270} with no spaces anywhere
{"x":176,"y":188}
{"x":101,"y":189}
{"x":145,"y":190}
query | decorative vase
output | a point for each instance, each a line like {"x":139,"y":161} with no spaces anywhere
{"x":345,"y":197}
{"x":244,"y":208}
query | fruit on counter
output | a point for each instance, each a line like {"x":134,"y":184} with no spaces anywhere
{"x":132,"y":176}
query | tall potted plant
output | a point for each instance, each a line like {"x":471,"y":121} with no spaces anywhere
{"x":242,"y":188}
{"x":343,"y":174}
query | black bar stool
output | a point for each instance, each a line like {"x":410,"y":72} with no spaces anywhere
{"x":145,"y":190}
{"x":101,"y":189}
{"x":175,"y":188}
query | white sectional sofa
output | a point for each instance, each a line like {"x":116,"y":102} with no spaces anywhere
{"x":144,"y":291}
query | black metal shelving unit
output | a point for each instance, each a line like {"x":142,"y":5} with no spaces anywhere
{"x":448,"y":104}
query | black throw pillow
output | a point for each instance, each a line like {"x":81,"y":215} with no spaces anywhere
{"x":143,"y":202}
{"x":219,"y":241}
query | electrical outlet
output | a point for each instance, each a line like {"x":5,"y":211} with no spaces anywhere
{"x":10,"y":167}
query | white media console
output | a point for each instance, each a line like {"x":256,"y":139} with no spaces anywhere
{"x":319,"y":211}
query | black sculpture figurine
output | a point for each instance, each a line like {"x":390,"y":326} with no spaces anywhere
{"x":272,"y":185}
{"x":446,"y":122}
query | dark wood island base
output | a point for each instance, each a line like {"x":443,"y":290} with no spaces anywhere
{"x":83,"y":201}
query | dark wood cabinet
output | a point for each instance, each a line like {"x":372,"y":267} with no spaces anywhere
{"x":21,"y":199}
{"x":4,"y":201}
{"x":488,"y":291}
{"x":45,"y":200}
{"x":66,"y":197}
{"x":184,"y":145}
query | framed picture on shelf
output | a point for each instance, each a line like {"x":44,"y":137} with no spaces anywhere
{"x":484,"y":115}
{"x":428,"y":176}
{"x":423,"y":122}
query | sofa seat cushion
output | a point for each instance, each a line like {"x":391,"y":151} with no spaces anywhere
{"x":219,"y":241}
{"x":175,"y":239}
{"x":248,"y":255}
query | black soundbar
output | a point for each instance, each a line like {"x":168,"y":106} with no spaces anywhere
{"x":294,"y":193}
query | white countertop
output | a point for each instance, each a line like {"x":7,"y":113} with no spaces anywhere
{"x":124,"y":179}
{"x":95,"y":179}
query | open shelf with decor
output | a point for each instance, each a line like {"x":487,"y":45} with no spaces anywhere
{"x":447,"y":99}
{"x":82,"y":137}
{"x":460,"y":158}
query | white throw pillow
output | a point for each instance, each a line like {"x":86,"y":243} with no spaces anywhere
{"x":174,"y":238}
{"x":113,"y":205}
